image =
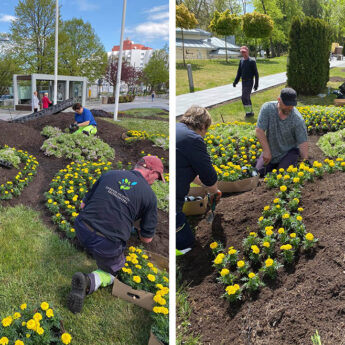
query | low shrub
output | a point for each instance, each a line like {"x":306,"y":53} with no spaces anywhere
{"x":333,"y":144}
{"x":11,"y":156}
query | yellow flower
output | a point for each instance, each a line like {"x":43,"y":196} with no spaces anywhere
{"x":31,"y":324}
{"x":309,"y":236}
{"x":299,"y":218}
{"x":66,"y":338}
{"x":150,"y":264}
{"x":254,"y":234}
{"x":255,"y":249}
{"x":145,"y":257}
{"x":37,"y":317}
{"x":286,"y":215}
{"x":281,"y":230}
{"x":219,"y":259}
{"x":232,"y":251}
{"x":50,"y":313}
{"x":283,"y":188}
{"x":159,"y":299}
{"x":40,"y":330}
{"x":166,"y":279}
{"x":266,"y":244}
{"x":224,"y":272}
{"x":295,"y":180}
{"x":279,"y":176}
{"x":16,"y":316}
{"x":137,"y":279}
{"x":276,"y":200}
{"x":151,"y":277}
{"x":266,"y":208}
{"x":251,"y":275}
{"x":232,"y":289}
{"x":4,"y":341}
{"x":286,"y":247}
{"x":18,"y":342}
{"x":131,"y":249}
{"x":240,"y":263}
{"x":261,"y":219}
{"x":7,"y":321}
{"x":44,"y":306}
{"x":293,"y":235}
{"x":286,"y":177}
{"x":213,"y":245}
{"x":269,"y":262}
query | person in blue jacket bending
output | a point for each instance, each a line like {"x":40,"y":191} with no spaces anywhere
{"x":84,"y":120}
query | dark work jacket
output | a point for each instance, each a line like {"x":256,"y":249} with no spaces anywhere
{"x":192,"y":159}
{"x":247,"y":70}
{"x":116,"y":200}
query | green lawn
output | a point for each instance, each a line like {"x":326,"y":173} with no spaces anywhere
{"x":234,"y":111}
{"x":211,"y":73}
{"x":36,"y":266}
{"x":147,"y":112}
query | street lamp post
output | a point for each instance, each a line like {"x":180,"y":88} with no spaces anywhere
{"x":56,"y":50}
{"x":119,"y":66}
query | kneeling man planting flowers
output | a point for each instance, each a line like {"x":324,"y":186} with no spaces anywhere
{"x":104,"y":225}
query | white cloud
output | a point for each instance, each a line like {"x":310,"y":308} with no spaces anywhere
{"x":152,"y":30}
{"x":85,"y":5}
{"x":159,"y":16}
{"x":6,"y":18}
{"x":158,"y":9}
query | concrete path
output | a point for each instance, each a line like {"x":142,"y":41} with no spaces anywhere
{"x":8,"y":114}
{"x":221,"y":94}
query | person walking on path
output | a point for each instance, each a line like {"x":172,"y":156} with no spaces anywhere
{"x":153,"y":95}
{"x":108,"y":212}
{"x":35,"y":102}
{"x":193,"y":163}
{"x":247,"y":70}
{"x":46,"y":101}
{"x":282,"y":133}
{"x":84,"y":120}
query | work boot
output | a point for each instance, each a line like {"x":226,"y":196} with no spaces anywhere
{"x":80,"y":287}
{"x":249,"y":115}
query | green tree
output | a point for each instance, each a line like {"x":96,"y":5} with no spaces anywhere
{"x":312,"y":8}
{"x":257,"y":25}
{"x":224,"y":24}
{"x":233,"y":6}
{"x":309,"y":47}
{"x":8,"y":67}
{"x":156,"y":72}
{"x":31,"y":33}
{"x":81,"y":51}
{"x":184,"y":20}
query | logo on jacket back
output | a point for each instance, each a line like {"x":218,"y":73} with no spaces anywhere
{"x":126,"y":184}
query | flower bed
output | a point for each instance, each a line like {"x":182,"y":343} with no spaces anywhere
{"x":280,"y":237}
{"x":68,"y":189}
{"x":33,"y":325}
{"x":232,"y":153}
{"x":333,"y":144}
{"x":158,"y":139}
{"x":141,"y":274}
{"x":14,"y":188}
{"x":321,"y":119}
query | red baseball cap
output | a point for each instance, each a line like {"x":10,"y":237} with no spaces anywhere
{"x":155,"y":164}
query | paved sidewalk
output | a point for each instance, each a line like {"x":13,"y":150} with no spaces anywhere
{"x":8,"y":114}
{"x":221,"y":94}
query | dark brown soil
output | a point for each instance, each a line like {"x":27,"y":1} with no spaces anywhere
{"x":27,"y":137}
{"x":307,"y":298}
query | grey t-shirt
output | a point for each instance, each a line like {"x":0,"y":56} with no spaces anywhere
{"x":282,"y":135}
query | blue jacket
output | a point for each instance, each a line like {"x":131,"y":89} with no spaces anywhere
{"x":86,"y":115}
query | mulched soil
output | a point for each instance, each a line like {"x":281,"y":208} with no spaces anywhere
{"x":27,"y":137}
{"x":309,"y":297}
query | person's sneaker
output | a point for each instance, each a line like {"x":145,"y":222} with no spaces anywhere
{"x":248,"y":115}
{"x":80,"y":285}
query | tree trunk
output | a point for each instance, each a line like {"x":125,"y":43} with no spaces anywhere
{"x":226,"y":51}
{"x":184,"y":61}
{"x":272,"y":48}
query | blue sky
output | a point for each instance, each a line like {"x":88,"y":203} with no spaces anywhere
{"x":147,"y":21}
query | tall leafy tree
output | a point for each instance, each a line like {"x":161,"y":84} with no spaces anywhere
{"x":312,"y":8}
{"x":225,"y":24}
{"x":234,"y":6}
{"x":81,"y":51}
{"x":184,"y":20}
{"x":31,"y":33}
{"x":8,"y":67}
{"x":156,"y":72}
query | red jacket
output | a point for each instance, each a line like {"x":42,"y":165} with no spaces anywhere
{"x":45,"y":102}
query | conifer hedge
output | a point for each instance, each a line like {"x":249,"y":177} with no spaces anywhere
{"x":309,"y":49}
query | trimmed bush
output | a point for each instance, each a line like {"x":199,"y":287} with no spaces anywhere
{"x":309,"y":47}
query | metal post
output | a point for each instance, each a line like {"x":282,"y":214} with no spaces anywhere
{"x":119,"y":66}
{"x":56,"y":49}
{"x":190,"y":78}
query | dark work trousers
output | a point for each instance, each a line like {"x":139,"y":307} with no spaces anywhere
{"x":109,"y":255}
{"x":184,"y":234}
{"x":247,"y":86}
{"x":290,"y":158}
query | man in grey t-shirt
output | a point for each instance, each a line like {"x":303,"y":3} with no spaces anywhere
{"x":282,"y":133}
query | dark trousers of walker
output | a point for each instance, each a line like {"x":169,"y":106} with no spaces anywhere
{"x":291,"y":158}
{"x":109,"y":255}
{"x":184,"y":234}
{"x":247,"y":86}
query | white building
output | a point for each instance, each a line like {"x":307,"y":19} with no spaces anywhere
{"x":136,"y":54}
